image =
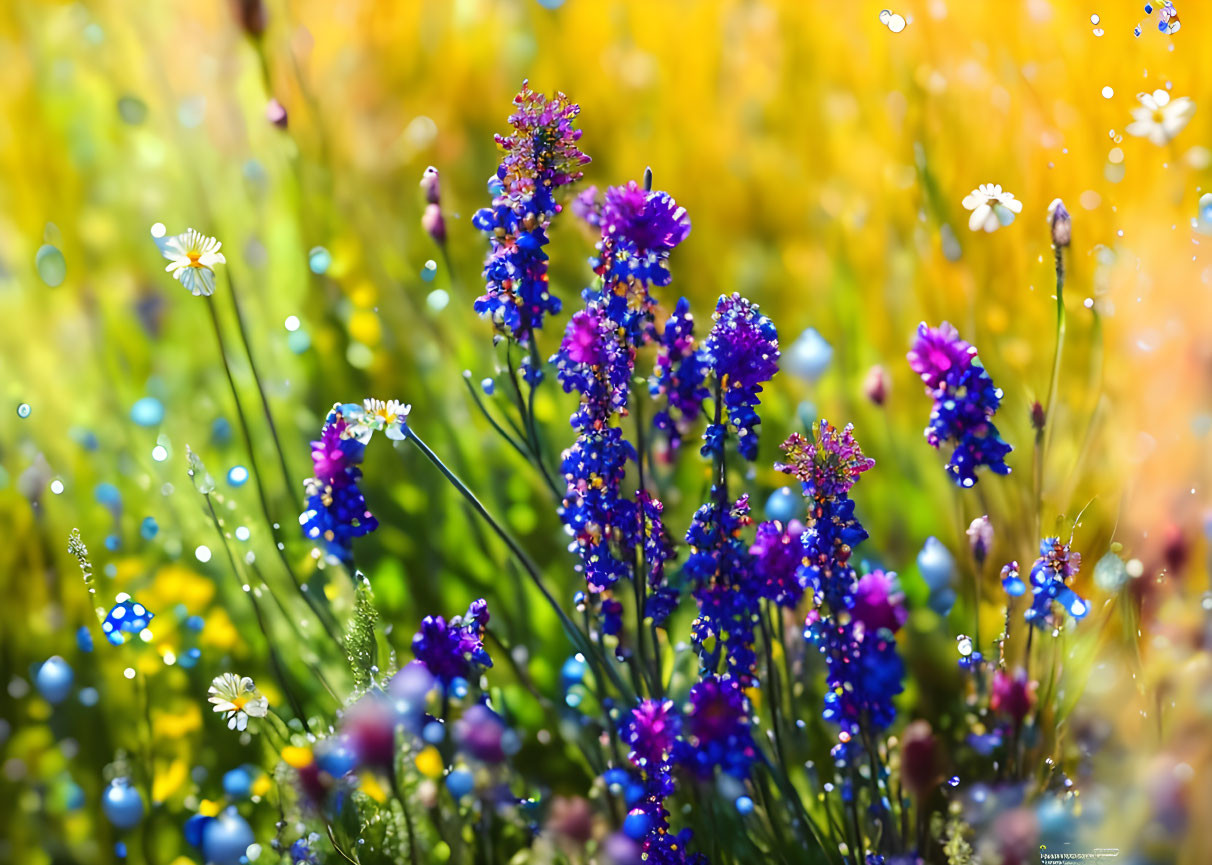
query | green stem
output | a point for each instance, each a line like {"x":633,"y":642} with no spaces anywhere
{"x":1049,"y":413}
{"x":532,"y":570}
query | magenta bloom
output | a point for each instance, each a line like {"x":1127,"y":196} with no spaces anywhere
{"x":827,"y":466}
{"x":1012,"y":696}
{"x":649,"y":221}
{"x":777,"y":554}
{"x":938,"y":354}
{"x":651,"y":731}
{"x":878,"y":603}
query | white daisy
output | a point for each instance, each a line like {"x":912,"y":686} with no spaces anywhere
{"x":238,"y":698}
{"x":1159,"y":118}
{"x":192,"y":258}
{"x":991,"y":207}
{"x":377,"y":415}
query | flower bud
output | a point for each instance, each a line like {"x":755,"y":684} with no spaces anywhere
{"x":431,"y":185}
{"x":980,"y":538}
{"x":275,"y":113}
{"x":434,"y":224}
{"x":251,"y":15}
{"x":1061,"y":223}
{"x":875,"y":386}
{"x":1039,"y":417}
{"x":919,"y":758}
{"x":1012,"y":696}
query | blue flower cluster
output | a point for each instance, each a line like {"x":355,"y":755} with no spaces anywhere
{"x":1051,"y":574}
{"x":541,"y":155}
{"x":336,"y":511}
{"x":662,"y":598}
{"x":600,"y":519}
{"x":679,"y":376}
{"x":853,"y":630}
{"x":597,"y":364}
{"x":727,"y":592}
{"x":965,"y":401}
{"x":743,"y":354}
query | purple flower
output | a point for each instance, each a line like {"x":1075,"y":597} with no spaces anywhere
{"x":879,"y":603}
{"x":777,"y":553}
{"x":717,"y":732}
{"x":455,"y":649}
{"x":648,"y":221}
{"x":541,"y":156}
{"x":594,"y":362}
{"x":743,"y":353}
{"x":827,"y":465}
{"x":965,"y":401}
{"x":639,"y":231}
{"x":336,"y":511}
{"x":480,"y":733}
{"x":651,"y":730}
{"x":679,"y":376}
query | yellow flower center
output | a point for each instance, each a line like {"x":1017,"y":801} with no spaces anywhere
{"x":193,"y":256}
{"x":1159,"y":116}
{"x":240,"y":702}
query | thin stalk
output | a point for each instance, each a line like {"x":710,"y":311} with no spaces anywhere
{"x":256,"y":473}
{"x":1049,"y":413}
{"x":532,"y":570}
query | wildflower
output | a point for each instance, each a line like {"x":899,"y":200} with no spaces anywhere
{"x":596,"y":514}
{"x":455,"y":649}
{"x":336,"y":511}
{"x":809,"y":356}
{"x":965,"y":400}
{"x":541,"y":156}
{"x":651,"y":731}
{"x":1011,"y":581}
{"x":717,"y":730}
{"x":852,"y":623}
{"x":662,"y":598}
{"x":587,"y":205}
{"x":876,"y":384}
{"x":1159,"y":118}
{"x":639,"y":230}
{"x":481,"y":734}
{"x":612,"y":616}
{"x":432,"y":219}
{"x":192,"y":258}
{"x":1050,"y":576}
{"x":389,"y":417}
{"x":743,"y":354}
{"x":679,"y":376}
{"x":593,"y":361}
{"x":777,"y":552}
{"x":1012,"y":695}
{"x":237,"y":697}
{"x":726,"y":590}
{"x":980,"y":538}
{"x":991,"y":207}
{"x":1060,"y":224}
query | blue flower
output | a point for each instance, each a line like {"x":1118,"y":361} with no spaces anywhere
{"x":1051,"y":574}
{"x":679,"y":376}
{"x":336,"y":511}
{"x":743,"y":354}
{"x":455,"y":649}
{"x":541,"y":156}
{"x":599,"y":518}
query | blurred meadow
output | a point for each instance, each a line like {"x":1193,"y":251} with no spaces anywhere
{"x":822,"y":159}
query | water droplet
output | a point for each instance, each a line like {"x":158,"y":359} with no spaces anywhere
{"x":292,"y":323}
{"x":148,"y":411}
{"x":202,"y":553}
{"x":437,"y":300}
{"x":57,"y":486}
{"x":237,"y":476}
{"x":149,"y":529}
{"x":1094,"y":19}
{"x":159,"y":453}
{"x":1098,"y":31}
{"x":896,"y":23}
{"x":319,"y":260}
{"x":885,"y":16}
{"x":51,"y":265}
{"x":24,"y":410}
{"x":1108,"y":92}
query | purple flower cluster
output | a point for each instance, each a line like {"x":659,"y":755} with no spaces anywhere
{"x":965,"y":401}
{"x":679,"y":376}
{"x":743,"y":354}
{"x":336,"y":511}
{"x":777,"y":553}
{"x":640,"y":228}
{"x":600,"y":519}
{"x":1051,"y":574}
{"x":725,"y":587}
{"x":455,"y":649}
{"x":541,"y":156}
{"x":854,"y":621}
{"x":717,"y":731}
{"x":596,"y":363}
